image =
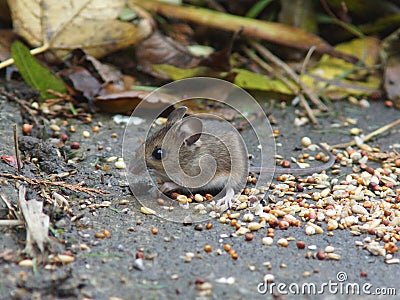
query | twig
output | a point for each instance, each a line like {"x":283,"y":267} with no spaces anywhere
{"x":16,"y":147}
{"x":11,"y":223}
{"x":35,"y":51}
{"x":370,"y":135}
{"x":307,"y":60}
{"x":269,"y":31}
{"x":308,"y":109}
{"x":269,"y":69}
{"x":266,"y":54}
{"x":75,"y":188}
{"x":301,"y":96}
{"x":339,"y":22}
{"x":11,"y":210}
{"x":23,"y":105}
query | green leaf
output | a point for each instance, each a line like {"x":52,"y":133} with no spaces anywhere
{"x":34,"y":73}
{"x":254,"y":81}
{"x":257,"y":8}
{"x":176,"y":73}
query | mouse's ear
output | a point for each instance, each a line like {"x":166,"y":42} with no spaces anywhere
{"x":189,"y":130}
{"x":176,"y":115}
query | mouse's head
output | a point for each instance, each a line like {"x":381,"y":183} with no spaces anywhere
{"x":161,"y":148}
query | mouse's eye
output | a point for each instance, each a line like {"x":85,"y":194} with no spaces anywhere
{"x":158,"y":154}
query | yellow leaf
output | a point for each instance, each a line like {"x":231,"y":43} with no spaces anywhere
{"x":92,"y":25}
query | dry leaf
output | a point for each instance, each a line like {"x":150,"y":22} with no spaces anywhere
{"x":127,"y":101}
{"x":6,"y":38}
{"x":92,"y":25}
{"x":160,"y":49}
{"x":37,"y":224}
{"x":82,"y":81}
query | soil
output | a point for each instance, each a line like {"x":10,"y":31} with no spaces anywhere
{"x":109,"y":267}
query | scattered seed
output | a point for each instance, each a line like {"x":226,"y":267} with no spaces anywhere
{"x":268,"y":241}
{"x":306,"y":141}
{"x":27,"y":128}
{"x":249,"y":236}
{"x":55,"y":127}
{"x":147,"y":211}
{"x":269,"y":278}
{"x":120,"y":164}
{"x":26,"y":263}
{"x":75,"y":145}
{"x":363,"y":274}
{"x":393,"y":261}
{"x":198,"y":198}
{"x":329,"y":249}
{"x":207,"y":248}
{"x":85,"y":134}
{"x":300,"y":244}
{"x":254,"y":226}
{"x":283,"y":242}
{"x":307,"y":274}
{"x":249,"y":217}
{"x":321,"y":255}
{"x":333,"y":256}
{"x":310,"y":230}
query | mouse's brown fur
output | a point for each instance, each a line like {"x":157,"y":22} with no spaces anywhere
{"x":226,"y":147}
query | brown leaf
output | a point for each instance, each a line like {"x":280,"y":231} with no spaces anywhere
{"x":6,"y":38}
{"x":103,"y":72}
{"x":127,"y":101}
{"x":92,"y":25}
{"x":82,"y":81}
{"x":159,"y":49}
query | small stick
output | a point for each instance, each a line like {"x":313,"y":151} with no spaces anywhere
{"x":74,"y":188}
{"x":308,"y":109}
{"x":264,"y":52}
{"x":307,"y":60}
{"x":269,"y":69}
{"x":11,"y":223}
{"x":370,"y":135}
{"x":35,"y":51}
{"x":16,"y":147}
{"x":22,"y":103}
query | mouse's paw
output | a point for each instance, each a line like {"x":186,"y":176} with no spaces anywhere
{"x":225,"y":202}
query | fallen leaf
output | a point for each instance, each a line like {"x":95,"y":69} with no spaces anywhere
{"x":34,"y":73}
{"x":103,"y":72}
{"x":11,"y":160}
{"x":37,"y":224}
{"x":337,"y":78}
{"x":82,"y":81}
{"x":127,"y":101}
{"x":92,"y":25}
{"x":6,"y":38}
{"x":159,"y":49}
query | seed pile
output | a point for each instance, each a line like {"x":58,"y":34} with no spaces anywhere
{"x":366,"y":202}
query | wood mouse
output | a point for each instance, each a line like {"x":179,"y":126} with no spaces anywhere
{"x":193,"y":155}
